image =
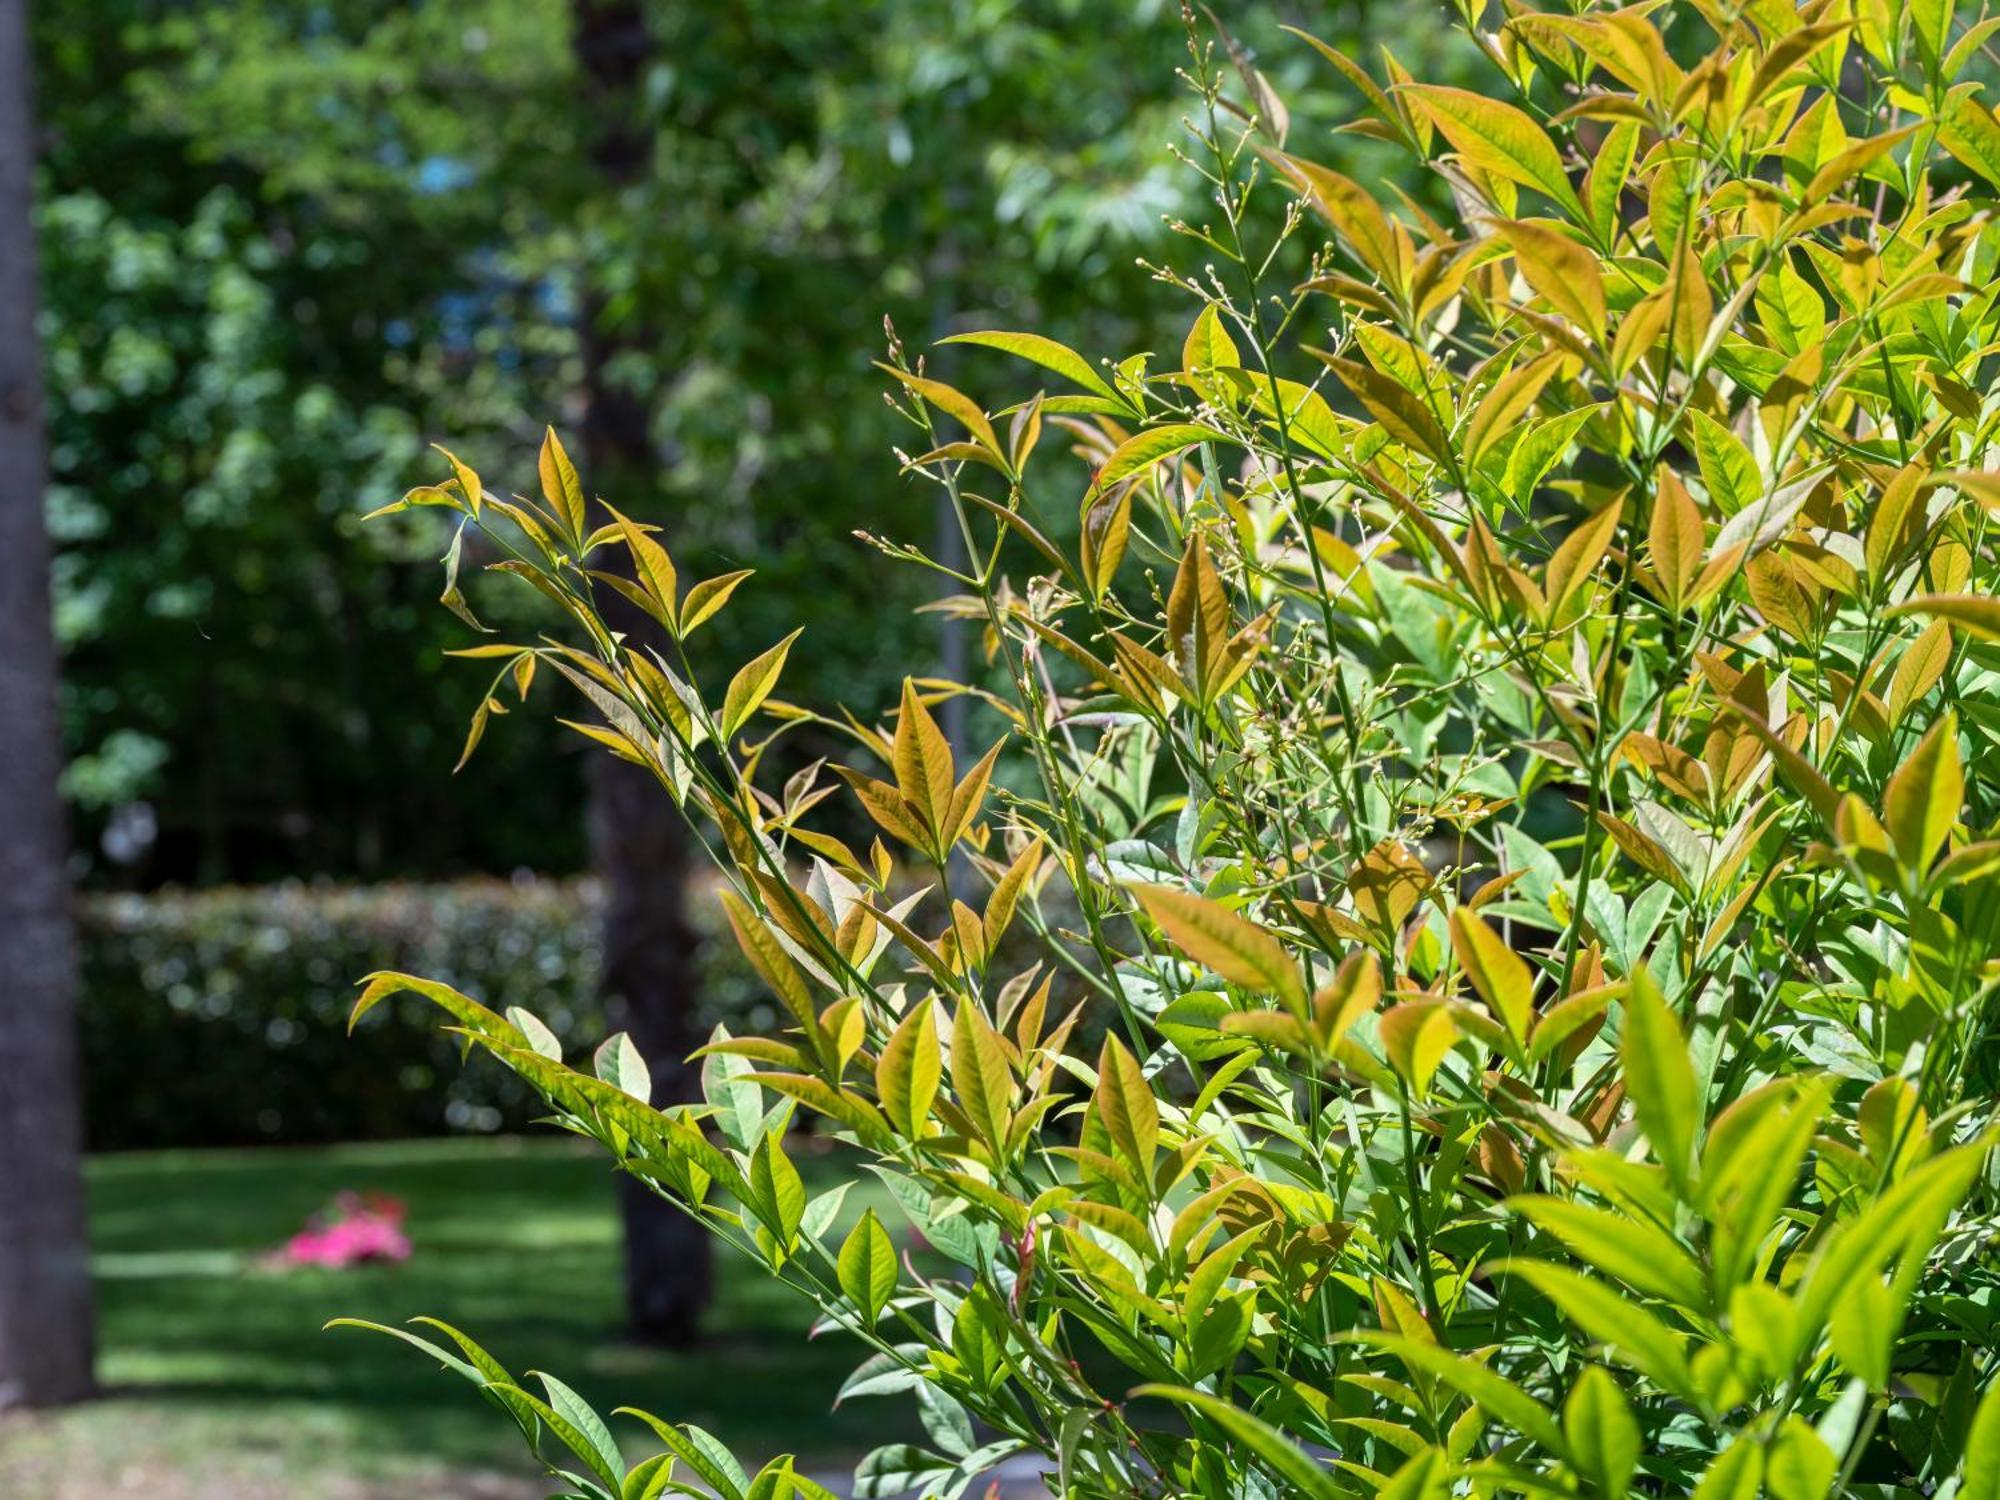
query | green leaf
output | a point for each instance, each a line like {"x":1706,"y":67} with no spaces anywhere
{"x":752,"y":685}
{"x":1863,"y":1330}
{"x":1633,"y":1251}
{"x":648,"y":1479}
{"x":1923,"y":797}
{"x":1750,"y":1166}
{"x":1603,"y":1435}
{"x":579,"y":1414}
{"x":540,"y":1038}
{"x":619,"y":1064}
{"x":867,"y":1266}
{"x":779,"y":1195}
{"x":1797,"y":1465}
{"x":1629,"y":1333}
{"x":1905,"y":1220}
{"x":1737,"y":1473}
{"x":1979,"y":1474}
{"x":897,"y":1469}
{"x":581,"y":1442}
{"x":1498,"y":1396}
{"x":1284,"y":1459}
{"x":1045,"y":352}
{"x":1659,"y":1076}
{"x":446,"y":1359}
{"x":1728,"y":472}
{"x":698,"y":1451}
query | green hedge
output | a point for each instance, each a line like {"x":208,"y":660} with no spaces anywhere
{"x":220,"y":1017}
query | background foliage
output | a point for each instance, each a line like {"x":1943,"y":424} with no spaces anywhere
{"x":215,"y":1018}
{"x":287,"y":244}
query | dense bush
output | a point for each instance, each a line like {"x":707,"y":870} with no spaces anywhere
{"x":1518,"y":726}
{"x":214,"y":1017}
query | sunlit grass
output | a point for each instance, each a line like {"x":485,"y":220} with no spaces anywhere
{"x":208,"y":1356}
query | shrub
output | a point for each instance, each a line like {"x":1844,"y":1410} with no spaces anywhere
{"x":1514,"y":723}
{"x":213,"y":1017}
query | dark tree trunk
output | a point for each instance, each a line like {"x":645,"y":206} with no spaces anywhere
{"x":638,"y":842}
{"x":45,"y":1308}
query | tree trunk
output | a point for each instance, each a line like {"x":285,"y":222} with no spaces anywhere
{"x":638,"y":842}
{"x":45,"y":1306}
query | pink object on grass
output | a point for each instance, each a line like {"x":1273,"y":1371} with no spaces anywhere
{"x":354,"y":1231}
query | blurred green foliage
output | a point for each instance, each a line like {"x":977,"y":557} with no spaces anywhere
{"x":218,"y":1017}
{"x":288,"y":241}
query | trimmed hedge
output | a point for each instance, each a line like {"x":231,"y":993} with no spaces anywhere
{"x":219,"y":1017}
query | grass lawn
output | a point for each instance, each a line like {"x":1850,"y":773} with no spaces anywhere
{"x":217,"y":1373}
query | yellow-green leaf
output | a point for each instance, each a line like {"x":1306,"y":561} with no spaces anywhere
{"x":560,"y":486}
{"x":1125,"y":1104}
{"x":1923,"y":797}
{"x":708,"y":596}
{"x":1968,"y":130}
{"x":1045,"y":352}
{"x":1918,"y":669}
{"x":1677,"y":540}
{"x":1571,"y":569}
{"x":909,"y":1069}
{"x":979,"y":1074}
{"x":1497,"y":138}
{"x":1603,"y":1434}
{"x":1978,"y":613}
{"x":1346,"y":205}
{"x":924,"y":771}
{"x":1238,"y":949}
{"x":752,"y":685}
{"x":1208,"y":345}
{"x":955,"y":403}
{"x":1416,"y":1035}
{"x":1563,"y":272}
{"x":1143,"y":449}
{"x":1498,"y":973}
{"x":867,"y":1266}
{"x":654,"y":570}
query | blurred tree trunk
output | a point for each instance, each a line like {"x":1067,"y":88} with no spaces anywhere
{"x":637,"y":839}
{"x":45,"y":1309}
